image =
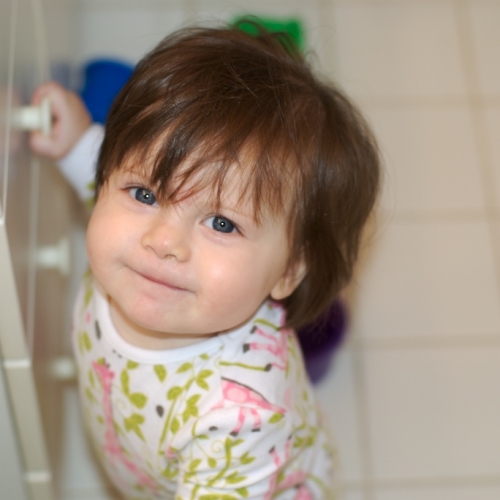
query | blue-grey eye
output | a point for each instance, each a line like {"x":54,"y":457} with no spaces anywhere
{"x":222,"y":224}
{"x":143,"y":195}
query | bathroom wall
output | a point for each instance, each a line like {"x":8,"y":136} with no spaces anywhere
{"x":413,"y":396}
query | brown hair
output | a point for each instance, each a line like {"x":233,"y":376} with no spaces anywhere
{"x":232,"y":100}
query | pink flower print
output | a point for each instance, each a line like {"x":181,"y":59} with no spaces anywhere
{"x":248,"y":400}
{"x":295,"y":479}
{"x":277,"y":345}
{"x":112,"y":444}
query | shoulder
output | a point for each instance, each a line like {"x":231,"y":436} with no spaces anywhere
{"x":263,"y":356}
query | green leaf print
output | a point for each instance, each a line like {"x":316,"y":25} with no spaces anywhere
{"x":193,"y":400}
{"x":125,"y":381}
{"x":91,"y":379}
{"x":281,"y":477}
{"x":267,"y":323}
{"x":212,"y":463}
{"x":190,"y":411}
{"x":138,"y":399}
{"x":299,"y":442}
{"x":132,"y":364}
{"x":90,"y":395}
{"x":202,"y":384}
{"x":245,"y":459}
{"x":200,"y":379}
{"x":229,"y":443}
{"x":132,"y":424}
{"x":161,"y":372}
{"x":170,"y":472}
{"x":87,"y":344}
{"x":88,"y":296}
{"x":276,"y":418}
{"x":174,"y":393}
{"x":234,"y":478}
{"x":175,"y":426}
{"x":194,"y":464}
{"x":185,"y":367}
{"x":242,"y":491}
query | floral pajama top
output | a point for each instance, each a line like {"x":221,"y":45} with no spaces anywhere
{"x":231,"y":417}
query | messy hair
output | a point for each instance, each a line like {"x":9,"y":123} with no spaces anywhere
{"x":226,"y":100}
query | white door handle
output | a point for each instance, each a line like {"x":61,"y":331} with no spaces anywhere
{"x":55,"y":256}
{"x":33,"y":117}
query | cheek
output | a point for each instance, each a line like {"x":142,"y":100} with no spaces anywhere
{"x":103,"y":237}
{"x":236,"y":280}
{"x":96,"y":242}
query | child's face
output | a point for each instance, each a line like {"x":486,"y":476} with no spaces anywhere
{"x":183,"y":270}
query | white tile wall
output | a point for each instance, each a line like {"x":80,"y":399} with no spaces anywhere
{"x":426,"y":170}
{"x":484,"y":15}
{"x":428,"y":277}
{"x":492,"y":119}
{"x":395,"y":49}
{"x":414,"y":395}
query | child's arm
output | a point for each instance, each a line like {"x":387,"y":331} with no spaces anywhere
{"x":74,"y":142}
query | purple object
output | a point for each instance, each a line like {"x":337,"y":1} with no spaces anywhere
{"x":320,"y":339}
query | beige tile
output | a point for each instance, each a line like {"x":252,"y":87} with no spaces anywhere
{"x":110,"y":30}
{"x":338,"y":400}
{"x":353,"y":495}
{"x":434,"y":412}
{"x":492,"y":119}
{"x":398,"y":49}
{"x":80,"y":473}
{"x":426,"y":279}
{"x":484,"y":16}
{"x":444,"y":493}
{"x":430,"y":158}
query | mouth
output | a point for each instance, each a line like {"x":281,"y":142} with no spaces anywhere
{"x":164,"y":283}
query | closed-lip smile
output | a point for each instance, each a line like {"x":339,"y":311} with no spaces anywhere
{"x":164,"y":283}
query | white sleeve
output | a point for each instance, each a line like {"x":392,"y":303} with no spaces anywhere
{"x":79,"y":165}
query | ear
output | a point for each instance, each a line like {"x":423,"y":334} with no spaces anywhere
{"x":290,"y":280}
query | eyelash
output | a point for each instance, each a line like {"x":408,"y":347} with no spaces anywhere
{"x":146,"y":190}
{"x":235,"y":228}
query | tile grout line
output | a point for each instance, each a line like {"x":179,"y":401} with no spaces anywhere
{"x":480,"y":130}
{"x":415,"y":342}
{"x":427,"y":482}
{"x":483,"y":149}
{"x":356,"y":350}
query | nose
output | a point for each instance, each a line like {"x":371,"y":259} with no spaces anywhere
{"x":167,"y":236}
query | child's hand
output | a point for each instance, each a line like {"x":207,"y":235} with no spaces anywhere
{"x":70,"y":119}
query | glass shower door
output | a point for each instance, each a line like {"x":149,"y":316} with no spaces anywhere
{"x":34,"y":222}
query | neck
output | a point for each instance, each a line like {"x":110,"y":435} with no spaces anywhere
{"x":145,"y":338}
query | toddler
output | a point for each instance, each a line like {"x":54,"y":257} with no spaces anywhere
{"x":230,"y":193}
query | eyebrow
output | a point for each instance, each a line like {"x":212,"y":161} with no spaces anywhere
{"x":136,"y":176}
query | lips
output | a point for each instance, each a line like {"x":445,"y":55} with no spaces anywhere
{"x":166,"y":283}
